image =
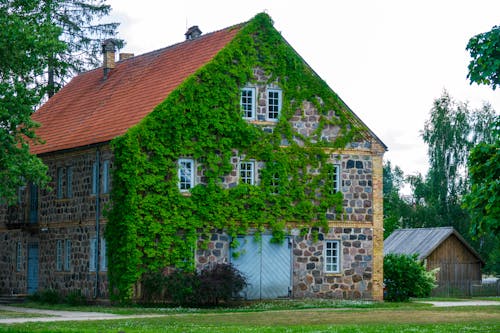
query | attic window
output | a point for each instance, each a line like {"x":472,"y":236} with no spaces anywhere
{"x":186,"y":174}
{"x":273,"y":104}
{"x":247,"y":101}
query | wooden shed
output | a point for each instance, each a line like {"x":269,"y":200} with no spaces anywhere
{"x":459,"y":264}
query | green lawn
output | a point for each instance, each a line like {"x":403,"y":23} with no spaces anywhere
{"x":384,"y":317}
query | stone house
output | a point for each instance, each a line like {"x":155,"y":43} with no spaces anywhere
{"x":227,"y":146}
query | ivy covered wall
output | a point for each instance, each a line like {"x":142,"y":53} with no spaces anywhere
{"x":152,"y":225}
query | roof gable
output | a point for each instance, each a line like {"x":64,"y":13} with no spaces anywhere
{"x":90,"y":110}
{"x":421,"y":241}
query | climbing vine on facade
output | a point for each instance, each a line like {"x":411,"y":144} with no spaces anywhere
{"x":153,"y":225}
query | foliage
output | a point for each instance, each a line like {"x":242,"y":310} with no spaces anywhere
{"x":211,"y":285}
{"x":83,"y":31}
{"x":220,"y":283}
{"x":405,"y":276}
{"x":446,"y":134}
{"x":152,"y":225}
{"x":396,"y":210}
{"x":75,"y":298}
{"x":25,"y":46}
{"x":484,"y":48}
{"x":47,"y":296}
{"x":483,"y":200}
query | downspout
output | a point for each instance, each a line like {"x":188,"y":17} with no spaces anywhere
{"x":97,"y":217}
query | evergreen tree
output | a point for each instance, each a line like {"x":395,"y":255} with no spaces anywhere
{"x":83,"y":31}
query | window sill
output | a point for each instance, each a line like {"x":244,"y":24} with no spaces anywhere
{"x":263,"y":122}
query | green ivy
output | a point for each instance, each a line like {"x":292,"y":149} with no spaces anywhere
{"x":152,"y":225}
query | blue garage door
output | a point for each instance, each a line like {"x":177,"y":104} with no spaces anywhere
{"x":267,"y":266}
{"x":32,"y":267}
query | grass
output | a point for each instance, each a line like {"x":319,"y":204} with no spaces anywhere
{"x":240,"y":307}
{"x":286,"y":316}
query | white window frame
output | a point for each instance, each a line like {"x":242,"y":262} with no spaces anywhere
{"x":185,"y":176}
{"x":247,"y":172}
{"x":19,"y":256}
{"x":67,"y":255}
{"x":332,"y":256}
{"x":93,"y":254}
{"x":105,"y":176}
{"x":59,"y":250}
{"x":335,"y":178}
{"x":275,"y":113}
{"x":103,"y":262}
{"x":244,"y":105}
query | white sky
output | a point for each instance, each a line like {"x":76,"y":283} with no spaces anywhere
{"x":388,"y":60}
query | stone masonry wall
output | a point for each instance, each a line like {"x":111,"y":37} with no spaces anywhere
{"x":70,"y":218}
{"x":355,"y":278}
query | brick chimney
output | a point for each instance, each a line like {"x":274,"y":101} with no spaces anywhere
{"x":193,"y":33}
{"x":125,"y":56}
{"x":108,"y":52}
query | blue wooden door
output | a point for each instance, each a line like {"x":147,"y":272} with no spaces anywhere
{"x":267,"y":266}
{"x":32,"y":267}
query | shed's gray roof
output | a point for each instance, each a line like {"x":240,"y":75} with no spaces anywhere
{"x":422,"y":241}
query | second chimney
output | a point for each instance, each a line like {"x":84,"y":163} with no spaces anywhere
{"x":193,"y":33}
{"x":108,"y":52}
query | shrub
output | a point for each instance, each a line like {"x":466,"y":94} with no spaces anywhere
{"x":49,"y":296}
{"x":219,"y":283}
{"x":75,"y":297}
{"x":405,"y":276}
{"x":208,"y":287}
{"x":182,"y":287}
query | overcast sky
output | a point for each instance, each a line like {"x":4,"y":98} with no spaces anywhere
{"x":388,"y":60}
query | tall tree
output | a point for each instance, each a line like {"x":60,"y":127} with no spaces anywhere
{"x":447,"y":136}
{"x":483,"y":201}
{"x":27,"y":42}
{"x":396,"y":209}
{"x":83,"y":30}
{"x":484,"y":48}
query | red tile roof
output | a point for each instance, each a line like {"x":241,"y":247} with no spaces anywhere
{"x":91,"y":110}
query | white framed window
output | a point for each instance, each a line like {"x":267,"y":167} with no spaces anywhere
{"x":186,"y":174}
{"x":60,"y":188}
{"x":247,"y":172}
{"x":334,"y":175}
{"x":59,"y":253}
{"x":69,"y":182}
{"x":19,"y":256}
{"x":332,"y":256}
{"x":105,"y":177}
{"x":273,"y":104}
{"x":93,"y":254}
{"x":67,"y":255}
{"x":247,"y":101}
{"x":95,"y":174}
{"x":103,"y":263}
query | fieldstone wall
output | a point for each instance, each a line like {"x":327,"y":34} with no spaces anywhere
{"x":354,"y":281}
{"x":217,"y":251}
{"x":72,"y":217}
